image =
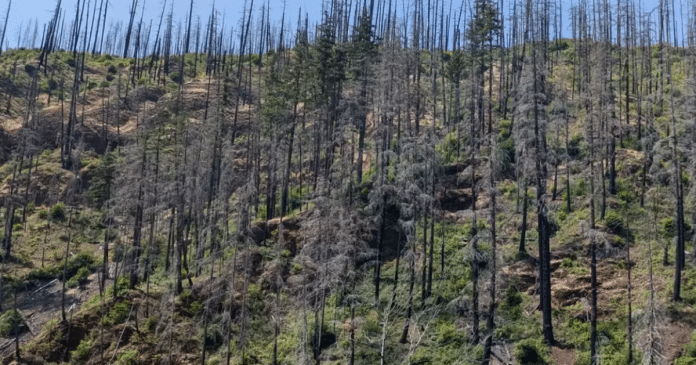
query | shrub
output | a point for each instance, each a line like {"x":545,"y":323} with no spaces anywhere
{"x":447,"y":149}
{"x":81,"y":260}
{"x":214,"y":338}
{"x":30,"y":207}
{"x":685,"y":360}
{"x":579,"y":188}
{"x":447,"y":333}
{"x":11,"y":323}
{"x":151,"y":323}
{"x":668,"y":227}
{"x":625,"y":191}
{"x":562,"y":214}
{"x":531,"y":351}
{"x":507,"y":188}
{"x":559,"y":45}
{"x":80,"y":278}
{"x":127,"y":358}
{"x":82,"y":351}
{"x":689,"y":355}
{"x":123,"y":285}
{"x":42,"y":274}
{"x":195,"y":307}
{"x":511,"y":305}
{"x":58,"y":212}
{"x":117,"y":314}
{"x":507,"y":147}
{"x":613,"y":222}
{"x":574,"y":146}
{"x":102,"y":178}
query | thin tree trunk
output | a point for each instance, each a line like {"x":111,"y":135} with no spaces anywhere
{"x":629,"y":335}
{"x":65,"y":265}
{"x":432,"y":243}
{"x":490,"y":324}
{"x":522,"y":252}
{"x":409,"y":311}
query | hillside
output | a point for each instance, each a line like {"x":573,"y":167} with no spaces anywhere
{"x":350,"y":200}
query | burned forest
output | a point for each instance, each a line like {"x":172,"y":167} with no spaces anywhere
{"x":391,"y":182}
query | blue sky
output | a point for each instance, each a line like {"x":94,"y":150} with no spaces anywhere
{"x":25,"y":11}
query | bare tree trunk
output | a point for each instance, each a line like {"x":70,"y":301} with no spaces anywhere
{"x":490,"y":324}
{"x":2,"y":38}
{"x":404,"y":333}
{"x":629,"y":334}
{"x":65,"y":265}
{"x":567,"y":167}
{"x":26,"y":193}
{"x":105,"y":258}
{"x":134,"y":6}
{"x":542,"y":219}
{"x":352,"y":334}
{"x":522,"y":252}
{"x":424,"y":264}
{"x":138,"y":226}
{"x":16,"y":337}
{"x":380,"y":248}
{"x":432,"y":242}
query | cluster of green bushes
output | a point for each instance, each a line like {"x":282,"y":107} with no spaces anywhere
{"x":55,"y":213}
{"x":80,"y":278}
{"x":79,"y":267}
{"x":83,"y":350}
{"x":118,"y":314}
{"x":11,"y":323}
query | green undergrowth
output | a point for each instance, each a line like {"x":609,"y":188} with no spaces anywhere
{"x":11,"y":323}
{"x":78,"y":267}
{"x":689,"y":355}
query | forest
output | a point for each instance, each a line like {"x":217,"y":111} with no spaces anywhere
{"x":398,"y":182}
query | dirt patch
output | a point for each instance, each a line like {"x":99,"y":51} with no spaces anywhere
{"x":675,"y":335}
{"x":572,"y":285}
{"x":523,"y":273}
{"x":570,"y":290}
{"x":562,"y":356}
{"x":11,"y":125}
{"x":631,"y":162}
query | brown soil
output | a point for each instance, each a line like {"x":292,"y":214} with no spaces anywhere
{"x":11,"y":125}
{"x":140,"y":104}
{"x":562,"y":356}
{"x":675,"y":335}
